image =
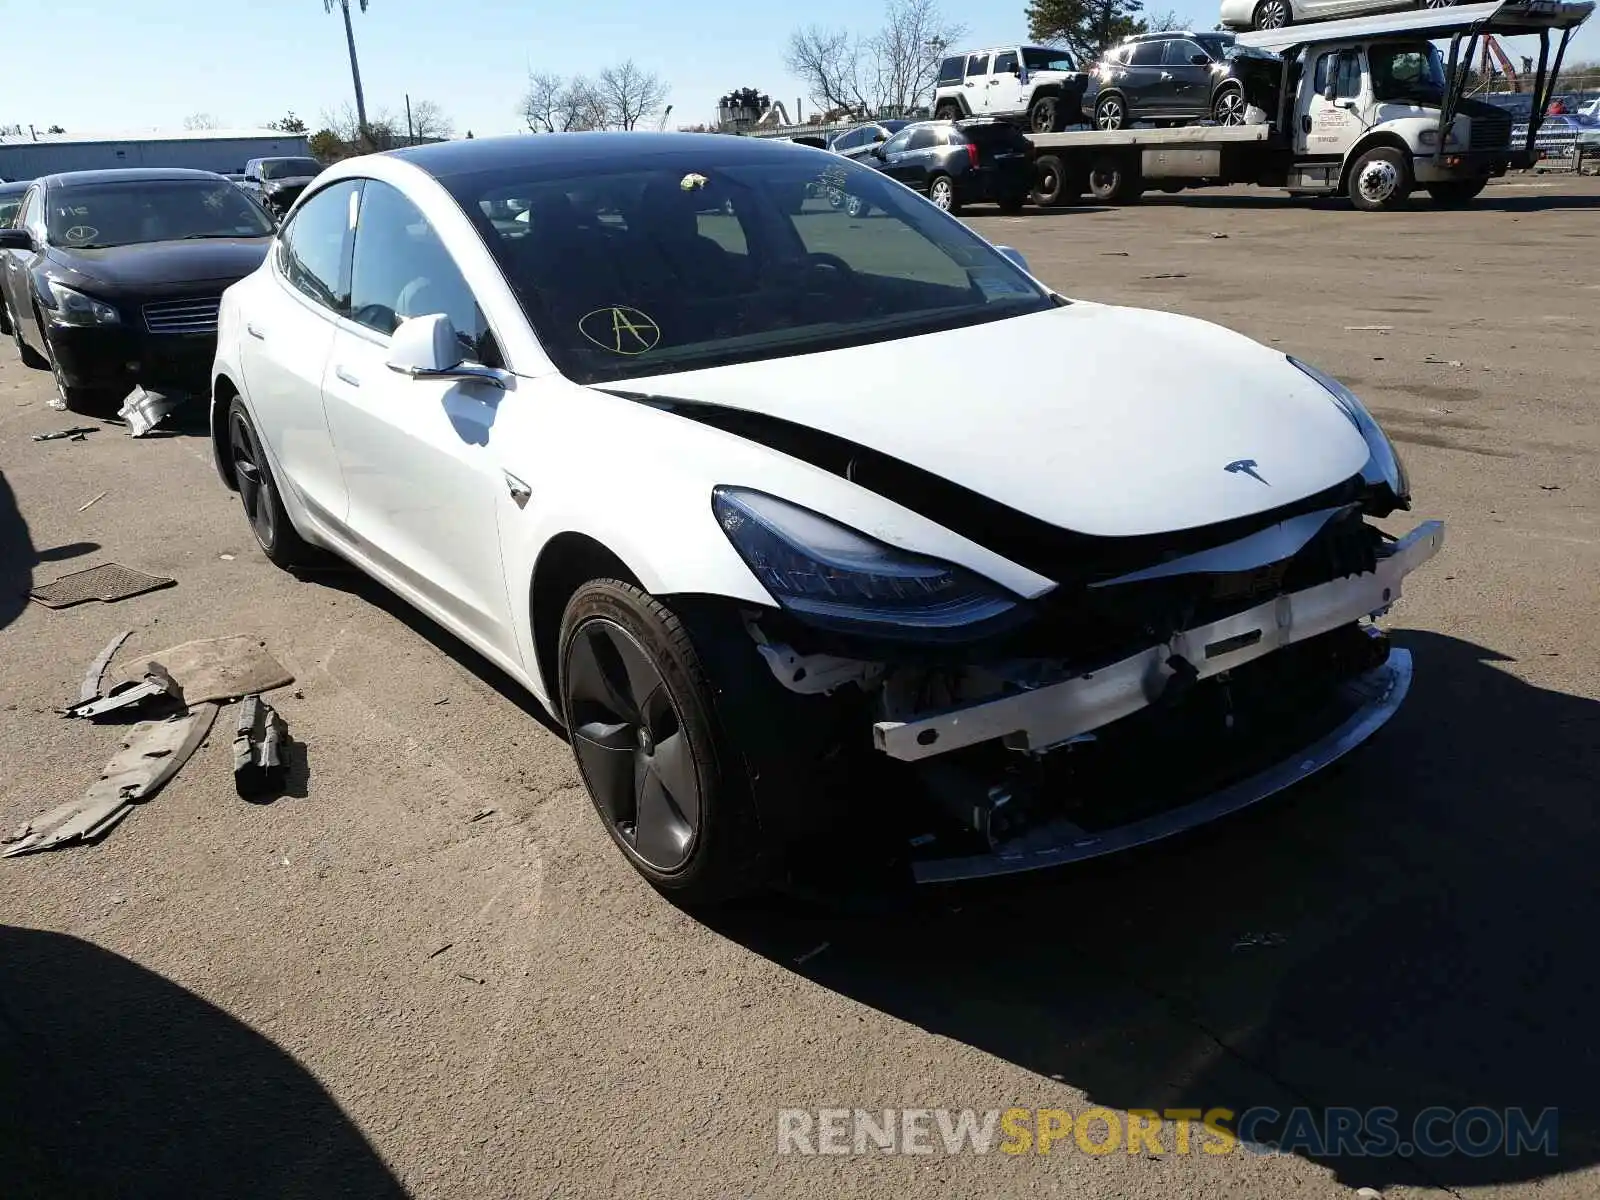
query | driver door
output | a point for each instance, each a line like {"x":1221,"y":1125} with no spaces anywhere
{"x":1003,"y":94}
{"x":15,"y":264}
{"x":418,"y":455}
{"x":1332,"y":126}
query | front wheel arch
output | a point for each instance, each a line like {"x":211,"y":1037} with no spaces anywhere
{"x":1371,"y":142}
{"x":222,"y":395}
{"x":567,"y":562}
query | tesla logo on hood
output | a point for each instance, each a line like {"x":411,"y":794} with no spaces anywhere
{"x":1245,"y":466}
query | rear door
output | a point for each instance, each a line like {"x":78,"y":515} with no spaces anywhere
{"x":289,"y":330}
{"x":921,"y":157}
{"x":424,"y":477}
{"x":14,"y":264}
{"x":976,"y":82}
{"x":1185,"y":83}
{"x":1141,"y":79}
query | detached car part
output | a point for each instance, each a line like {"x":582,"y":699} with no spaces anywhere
{"x":258,"y":767}
{"x":157,"y":683}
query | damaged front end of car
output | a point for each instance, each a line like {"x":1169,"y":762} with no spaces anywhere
{"x":1166,"y":680}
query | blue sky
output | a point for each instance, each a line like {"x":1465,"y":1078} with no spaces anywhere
{"x":151,"y":63}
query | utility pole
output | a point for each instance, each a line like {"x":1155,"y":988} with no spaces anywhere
{"x":411,"y":130}
{"x":355,"y":71}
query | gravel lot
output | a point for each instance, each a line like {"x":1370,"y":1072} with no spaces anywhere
{"x":232,"y":1000}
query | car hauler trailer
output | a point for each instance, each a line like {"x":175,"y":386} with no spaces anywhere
{"x":1366,"y":107}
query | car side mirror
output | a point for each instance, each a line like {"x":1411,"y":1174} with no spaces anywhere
{"x":428,"y":348}
{"x":876,"y":151}
{"x":1015,"y":257}
{"x":16,"y":239}
{"x":1200,"y":60}
{"x":1330,"y":92}
{"x":1016,"y":69}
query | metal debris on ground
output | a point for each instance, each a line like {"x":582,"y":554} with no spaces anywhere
{"x":440,"y":950}
{"x":258,"y":767}
{"x":1247,"y":940}
{"x":224,"y":668}
{"x":1219,"y":235}
{"x":77,"y":433}
{"x":157,"y":684}
{"x":1166,"y":275}
{"x":90,"y":688}
{"x":470,"y":978}
{"x":1368,"y":328}
{"x":1549,"y":487}
{"x":1442,"y":362}
{"x":108,"y":583}
{"x":92,"y":503}
{"x":144,"y":410}
{"x":151,"y":754}
{"x":481,"y":814}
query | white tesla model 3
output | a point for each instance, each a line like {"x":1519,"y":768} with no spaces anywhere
{"x":827,"y":538}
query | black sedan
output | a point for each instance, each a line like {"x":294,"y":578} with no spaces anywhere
{"x":281,"y":180}
{"x":857,"y":143}
{"x":955,"y":163}
{"x":112,"y":279}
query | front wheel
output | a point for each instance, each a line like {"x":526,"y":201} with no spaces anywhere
{"x":1046,"y":115}
{"x":942,"y":191}
{"x":1456,"y":193}
{"x":29,"y":356}
{"x":258,"y":492}
{"x":1380,"y":180}
{"x":640,"y":710}
{"x":1110,"y":112}
{"x":1228,"y":107}
{"x":947,"y":112}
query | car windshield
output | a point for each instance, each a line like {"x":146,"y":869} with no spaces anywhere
{"x":10,"y":206}
{"x":290,"y":168}
{"x":1038,"y":59}
{"x":96,"y":215}
{"x":692,"y":264}
{"x":1407,"y":71}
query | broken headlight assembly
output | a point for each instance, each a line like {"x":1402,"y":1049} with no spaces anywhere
{"x":1383,"y":461}
{"x":833,"y":577}
{"x":74,"y":308}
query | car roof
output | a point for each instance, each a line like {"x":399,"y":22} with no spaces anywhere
{"x":557,"y":154}
{"x":127,"y":175}
{"x":15,"y":189}
{"x":1176,"y":33}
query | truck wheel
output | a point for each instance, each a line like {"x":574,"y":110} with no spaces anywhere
{"x":1046,"y":115}
{"x":948,"y":111}
{"x":1228,"y":107}
{"x":1113,"y":181}
{"x":1055,"y":183}
{"x":1457,"y":193}
{"x":1110,"y":112}
{"x":1273,"y":14}
{"x":1380,"y":181}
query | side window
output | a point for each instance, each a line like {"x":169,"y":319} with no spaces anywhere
{"x":950,"y":70}
{"x":403,"y":270}
{"x":1181,"y":52}
{"x":922,"y":139}
{"x":314,"y":248}
{"x":898,"y":142}
{"x":1005,"y":63}
{"x":30,"y":218}
{"x":977,"y":64}
{"x":850,"y":140}
{"x":1145,"y":54}
{"x":1349,"y":80}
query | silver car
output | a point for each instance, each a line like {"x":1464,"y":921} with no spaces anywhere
{"x":1275,"y":14}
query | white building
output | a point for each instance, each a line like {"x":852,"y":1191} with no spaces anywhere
{"x":222,"y":150}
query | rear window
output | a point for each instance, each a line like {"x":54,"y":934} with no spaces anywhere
{"x":290,"y":168}
{"x":996,"y":136}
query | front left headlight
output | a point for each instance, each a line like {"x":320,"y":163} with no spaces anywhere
{"x":74,"y":308}
{"x":834,"y":577}
{"x":1383,"y":460}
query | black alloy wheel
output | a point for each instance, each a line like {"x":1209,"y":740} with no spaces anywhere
{"x":258,"y":492}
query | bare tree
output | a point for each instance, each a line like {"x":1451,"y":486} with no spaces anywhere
{"x":630,"y":94}
{"x":1166,"y":22}
{"x":384,"y":131}
{"x":893,"y":69}
{"x":428,"y":120}
{"x":541,"y":106}
{"x":200,"y":120}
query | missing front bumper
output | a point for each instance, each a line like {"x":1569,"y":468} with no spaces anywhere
{"x":1053,"y":715}
{"x":1371,"y":699}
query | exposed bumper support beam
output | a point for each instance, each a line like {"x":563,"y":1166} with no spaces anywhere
{"x":1051,"y":715}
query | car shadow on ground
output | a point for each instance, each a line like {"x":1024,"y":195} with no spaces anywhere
{"x":117,"y":1082}
{"x":17,"y":556}
{"x":1415,"y":929}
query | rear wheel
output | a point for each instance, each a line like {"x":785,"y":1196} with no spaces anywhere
{"x":1055,"y":183}
{"x":1273,"y":14}
{"x":942,"y":191}
{"x":640,"y":710}
{"x":1112,"y":180}
{"x":1110,"y":112}
{"x":258,"y":492}
{"x":1228,"y":107}
{"x":1380,"y":180}
{"x":1457,"y":192}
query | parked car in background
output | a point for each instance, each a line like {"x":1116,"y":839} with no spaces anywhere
{"x":956,"y":163}
{"x":112,"y":279}
{"x":854,"y":143}
{"x":1180,"y":77}
{"x":1038,"y":87}
{"x":747,"y":501}
{"x":11,"y":202}
{"x":1275,"y":14}
{"x":281,"y":180}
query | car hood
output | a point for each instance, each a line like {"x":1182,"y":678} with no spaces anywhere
{"x":1108,"y":421}
{"x":159,"y":264}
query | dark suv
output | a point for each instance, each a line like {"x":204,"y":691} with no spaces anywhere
{"x":1179,"y":77}
{"x":954,"y":163}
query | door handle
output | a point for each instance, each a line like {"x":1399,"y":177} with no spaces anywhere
{"x":346,"y":376}
{"x":255,"y":331}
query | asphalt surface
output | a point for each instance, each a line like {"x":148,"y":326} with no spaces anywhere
{"x":427,"y":971}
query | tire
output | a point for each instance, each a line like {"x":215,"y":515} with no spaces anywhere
{"x":632,"y":684}
{"x":1110,"y":111}
{"x":258,"y":492}
{"x":1273,"y":14}
{"x":29,"y":356}
{"x":948,"y":111}
{"x":1457,"y":193}
{"x":1438,"y":3}
{"x":1112,"y":180}
{"x":1380,"y":180}
{"x":1227,"y":108}
{"x":1054,"y":183}
{"x":1012,"y":204}
{"x":89,"y":402}
{"x":942,"y":191}
{"x":1047,"y":115}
